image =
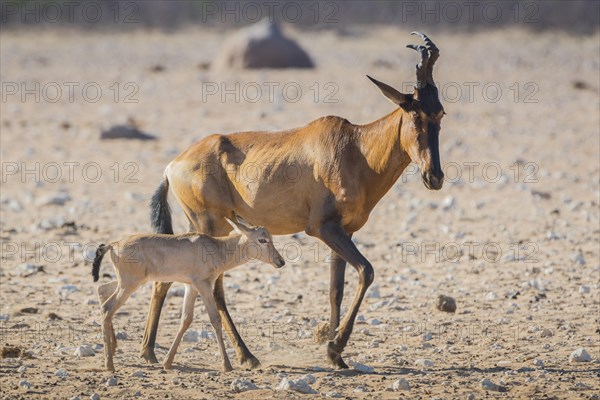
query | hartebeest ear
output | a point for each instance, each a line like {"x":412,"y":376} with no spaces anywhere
{"x":399,"y":99}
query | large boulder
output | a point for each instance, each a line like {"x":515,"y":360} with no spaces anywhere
{"x":262,"y":45}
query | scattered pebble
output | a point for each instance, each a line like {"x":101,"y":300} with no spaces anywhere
{"x":580,"y":355}
{"x":61,"y":373}
{"x":58,"y":199}
{"x":424,"y":362}
{"x":309,"y":378}
{"x":111,"y":381}
{"x":138,"y":374}
{"x":448,"y":203}
{"x":84,"y":351}
{"x":299,"y":385}
{"x":95,"y":396}
{"x":400,"y":384}
{"x":362,"y":368}
{"x":538,"y":363}
{"x":24,"y":384}
{"x":242,"y":385}
{"x":446,"y":304}
{"x":583,"y":289}
{"x":491,"y":296}
{"x":489,"y":385}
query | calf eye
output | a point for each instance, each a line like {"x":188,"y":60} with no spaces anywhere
{"x":262,"y":241}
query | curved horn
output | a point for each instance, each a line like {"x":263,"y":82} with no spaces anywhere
{"x":434,"y":54}
{"x":422,"y":65}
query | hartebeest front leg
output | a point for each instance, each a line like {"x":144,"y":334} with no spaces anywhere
{"x":244,"y":355}
{"x":337,"y":272}
{"x":339,"y":241}
{"x":159,"y":293}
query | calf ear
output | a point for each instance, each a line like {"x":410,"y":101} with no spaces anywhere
{"x":241,"y":221}
{"x":235,"y":226}
{"x":399,"y":99}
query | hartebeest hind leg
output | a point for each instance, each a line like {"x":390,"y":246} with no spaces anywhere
{"x":339,"y":241}
{"x":159,"y":293}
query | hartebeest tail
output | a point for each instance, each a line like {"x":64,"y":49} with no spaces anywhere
{"x":102,"y":249}
{"x":161,"y":212}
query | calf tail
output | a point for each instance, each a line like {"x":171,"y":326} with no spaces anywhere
{"x":160,"y":214}
{"x":102,"y":249}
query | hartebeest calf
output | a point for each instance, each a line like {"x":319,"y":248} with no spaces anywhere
{"x":340,"y":171}
{"x":194,"y":259}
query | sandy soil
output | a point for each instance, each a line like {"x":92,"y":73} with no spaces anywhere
{"x":513,"y":238}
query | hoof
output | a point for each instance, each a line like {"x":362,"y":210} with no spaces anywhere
{"x":251,"y":363}
{"x":167,"y":366}
{"x":149,"y":356}
{"x":227,"y":368}
{"x":335,"y":357}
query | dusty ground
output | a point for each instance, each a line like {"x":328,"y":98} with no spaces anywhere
{"x":516,"y":251}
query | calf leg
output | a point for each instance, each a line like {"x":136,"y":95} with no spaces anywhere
{"x":104,"y":292}
{"x":214,"y":224}
{"x":159,"y":293}
{"x":215,"y":319}
{"x":109,"y":308}
{"x":187,"y":315}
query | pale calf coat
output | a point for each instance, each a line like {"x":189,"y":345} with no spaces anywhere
{"x":196,"y":260}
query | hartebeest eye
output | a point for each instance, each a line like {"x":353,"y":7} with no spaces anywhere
{"x":263,"y":241}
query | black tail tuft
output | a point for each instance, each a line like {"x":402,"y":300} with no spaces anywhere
{"x":160,"y":211}
{"x":97,"y":261}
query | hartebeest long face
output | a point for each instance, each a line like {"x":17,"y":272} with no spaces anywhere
{"x":423,"y":112}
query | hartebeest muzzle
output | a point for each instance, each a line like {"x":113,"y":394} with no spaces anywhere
{"x":433,"y":180}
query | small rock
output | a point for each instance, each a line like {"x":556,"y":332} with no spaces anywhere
{"x":583,"y":289}
{"x":95,"y":396}
{"x":375,"y":322}
{"x":242,"y":385}
{"x":61,"y":373}
{"x":538,"y":363}
{"x":138,"y":374}
{"x":121,"y":335}
{"x":333,"y":395}
{"x":295,"y":385}
{"x":491,"y":296}
{"x":111,"y":381}
{"x":489,"y":385}
{"x":400,"y":384}
{"x":191,"y":336}
{"x":546,"y":333}
{"x":446,"y":304}
{"x":362,"y":368}
{"x":471,"y":396}
{"x":58,"y":199}
{"x":374,"y":292}
{"x":310,"y":379}
{"x":84,"y":351}
{"x":580,"y":355}
{"x":24,"y":384}
{"x":54,"y":317}
{"x":424,"y":362}
{"x":448,"y":203}
{"x":427,"y":336}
